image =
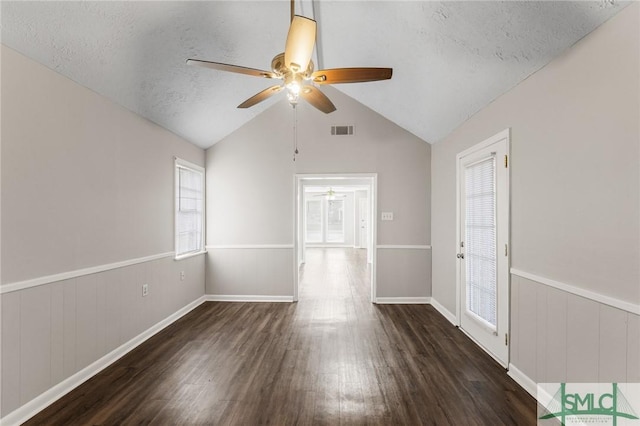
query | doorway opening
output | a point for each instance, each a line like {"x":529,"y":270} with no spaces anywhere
{"x":335,"y":224}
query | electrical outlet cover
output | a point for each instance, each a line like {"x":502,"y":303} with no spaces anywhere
{"x":387,"y":215}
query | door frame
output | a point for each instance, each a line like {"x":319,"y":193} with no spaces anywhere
{"x":298,"y":222}
{"x":356,"y":220}
{"x":503,"y":135}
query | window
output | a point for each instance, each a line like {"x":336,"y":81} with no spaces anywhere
{"x":335,"y":221}
{"x":314,"y":221}
{"x":480,"y":239}
{"x":189,"y":220}
{"x":324,"y":221}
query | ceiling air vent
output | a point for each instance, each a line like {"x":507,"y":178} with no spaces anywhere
{"x":341,"y":130}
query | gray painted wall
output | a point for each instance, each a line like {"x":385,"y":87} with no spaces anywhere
{"x":84,"y":183}
{"x":83,"y":180}
{"x":575,"y":179}
{"x":250,"y":179}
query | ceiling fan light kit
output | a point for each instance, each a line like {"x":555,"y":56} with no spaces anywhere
{"x":296,"y":70}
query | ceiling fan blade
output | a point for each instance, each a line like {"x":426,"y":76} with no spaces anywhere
{"x":259,"y":97}
{"x":300,"y":42}
{"x":318,"y":99}
{"x":231,"y":68}
{"x":351,"y":75}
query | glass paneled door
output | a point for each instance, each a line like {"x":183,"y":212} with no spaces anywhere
{"x":483,"y":251}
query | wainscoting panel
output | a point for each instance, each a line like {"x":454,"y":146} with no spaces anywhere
{"x":250,"y":271}
{"x":35,"y":341}
{"x":633,"y":349}
{"x":52,"y":331}
{"x":558,"y":336}
{"x":403,"y":271}
{"x":10,"y":351}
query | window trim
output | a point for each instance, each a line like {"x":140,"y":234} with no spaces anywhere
{"x":177,"y":164}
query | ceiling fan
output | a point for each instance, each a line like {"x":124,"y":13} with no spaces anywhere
{"x":330,"y":195}
{"x":295,"y":68}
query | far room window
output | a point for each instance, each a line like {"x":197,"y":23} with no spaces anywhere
{"x":324,"y":221}
{"x":335,"y":221}
{"x":189,"y":231}
{"x":314,"y":221}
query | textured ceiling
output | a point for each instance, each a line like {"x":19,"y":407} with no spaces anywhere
{"x":450,"y":59}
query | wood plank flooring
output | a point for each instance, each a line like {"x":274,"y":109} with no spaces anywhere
{"x":332,"y":358}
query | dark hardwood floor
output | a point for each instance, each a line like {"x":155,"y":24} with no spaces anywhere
{"x":332,"y":358}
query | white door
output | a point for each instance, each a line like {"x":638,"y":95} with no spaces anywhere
{"x":483,"y":251}
{"x":363,"y":225}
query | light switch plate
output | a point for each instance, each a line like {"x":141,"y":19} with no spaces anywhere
{"x":387,"y":215}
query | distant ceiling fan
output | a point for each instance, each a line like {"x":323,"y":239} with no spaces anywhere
{"x":330,"y":195}
{"x":295,"y":68}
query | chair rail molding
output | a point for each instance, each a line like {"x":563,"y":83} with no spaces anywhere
{"x":249,"y":246}
{"x":48,"y":279}
{"x":402,"y":247}
{"x":587,"y":294}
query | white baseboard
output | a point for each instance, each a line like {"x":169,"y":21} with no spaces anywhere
{"x":42,"y":401}
{"x":444,"y":312}
{"x":403,"y":300}
{"x":246,"y":298}
{"x":523,"y":380}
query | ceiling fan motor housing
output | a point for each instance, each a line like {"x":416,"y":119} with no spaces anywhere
{"x":279,"y":68}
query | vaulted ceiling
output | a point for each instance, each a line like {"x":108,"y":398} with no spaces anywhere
{"x":450,"y":59}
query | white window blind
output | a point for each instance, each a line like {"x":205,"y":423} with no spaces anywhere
{"x":480,"y":239}
{"x":189,"y":208}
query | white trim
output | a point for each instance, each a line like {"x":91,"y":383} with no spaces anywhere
{"x":328,"y":245}
{"x":487,"y":351}
{"x":523,"y":380}
{"x":299,"y":231}
{"x":184,"y":164}
{"x":504,"y":134}
{"x":251,"y":246}
{"x":245,"y":298}
{"x":444,"y":311}
{"x":34,"y":282}
{"x":42,"y":401}
{"x":310,"y":176}
{"x":403,"y":300}
{"x":188,"y":165}
{"x":588,"y":294}
{"x":502,"y":141}
{"x":298,"y":253}
{"x":188,"y":255}
{"x":372,"y":252}
{"x":402,"y":247}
